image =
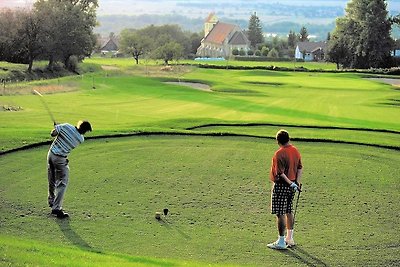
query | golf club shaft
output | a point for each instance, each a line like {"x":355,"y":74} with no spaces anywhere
{"x":295,"y":209}
{"x":45,"y":106}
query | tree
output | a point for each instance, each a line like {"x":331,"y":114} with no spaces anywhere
{"x":235,"y":51}
{"x":273,"y":53}
{"x":255,"y":31}
{"x":67,"y":28}
{"x":292,"y":39}
{"x":264,"y":51}
{"x":8,"y":33}
{"x":339,"y":48}
{"x":303,"y":35}
{"x":362,"y":36}
{"x":134,"y":44}
{"x":169,"y":51}
{"x":28,"y":37}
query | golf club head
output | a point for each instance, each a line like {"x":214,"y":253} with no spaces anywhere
{"x":165,"y":212}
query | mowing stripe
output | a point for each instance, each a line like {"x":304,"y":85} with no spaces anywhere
{"x":307,"y":140}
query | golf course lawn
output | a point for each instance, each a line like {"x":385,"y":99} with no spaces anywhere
{"x":204,"y":155}
{"x":218,"y":195}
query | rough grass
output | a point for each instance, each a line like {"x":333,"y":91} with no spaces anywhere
{"x":218,"y":194}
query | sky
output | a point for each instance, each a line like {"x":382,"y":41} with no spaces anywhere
{"x":136,"y":7}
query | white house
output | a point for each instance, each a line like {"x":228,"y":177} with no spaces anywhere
{"x":310,"y":51}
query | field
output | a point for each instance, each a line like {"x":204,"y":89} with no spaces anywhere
{"x":204,"y":155}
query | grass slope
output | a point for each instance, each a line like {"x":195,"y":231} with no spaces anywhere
{"x":122,"y":103}
{"x":218,"y":194}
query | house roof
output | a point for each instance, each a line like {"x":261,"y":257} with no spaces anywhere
{"x":239,"y":38}
{"x":219,"y":33}
{"x":311,"y":46}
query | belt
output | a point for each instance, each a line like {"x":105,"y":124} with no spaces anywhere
{"x":58,"y":155}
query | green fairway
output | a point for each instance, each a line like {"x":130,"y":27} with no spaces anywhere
{"x":124,"y":103}
{"x":204,"y":155}
{"x":217,"y":191}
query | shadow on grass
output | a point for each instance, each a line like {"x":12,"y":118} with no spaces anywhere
{"x":304,"y":257}
{"x":169,"y":225}
{"x":73,"y":237}
{"x":78,"y":241}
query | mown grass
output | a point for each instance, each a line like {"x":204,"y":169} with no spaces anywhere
{"x":217,"y":191}
{"x":216,"y":188}
{"x":118,"y":103}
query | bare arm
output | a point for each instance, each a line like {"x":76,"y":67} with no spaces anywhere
{"x":299,"y":175}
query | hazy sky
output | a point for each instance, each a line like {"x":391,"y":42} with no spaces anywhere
{"x":135,"y":7}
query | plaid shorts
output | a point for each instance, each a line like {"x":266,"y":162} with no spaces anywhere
{"x":281,"y":199}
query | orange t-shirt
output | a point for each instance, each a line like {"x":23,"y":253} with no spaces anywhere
{"x":287,"y":160}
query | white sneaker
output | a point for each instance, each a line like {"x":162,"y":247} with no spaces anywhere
{"x":276,"y":245}
{"x":290,"y":243}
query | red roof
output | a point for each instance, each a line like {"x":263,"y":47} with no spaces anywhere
{"x":219,"y":33}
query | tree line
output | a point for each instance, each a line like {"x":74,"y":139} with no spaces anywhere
{"x":53,"y":30}
{"x":166,"y":42}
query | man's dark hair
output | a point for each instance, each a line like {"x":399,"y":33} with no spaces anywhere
{"x":84,"y":126}
{"x":283,"y":137}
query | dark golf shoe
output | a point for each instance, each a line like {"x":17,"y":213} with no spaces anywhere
{"x":60,"y":214}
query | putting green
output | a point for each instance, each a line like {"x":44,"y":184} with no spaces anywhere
{"x":217,"y":191}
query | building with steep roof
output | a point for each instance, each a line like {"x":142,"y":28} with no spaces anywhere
{"x":221,"y":38}
{"x":311,"y":51}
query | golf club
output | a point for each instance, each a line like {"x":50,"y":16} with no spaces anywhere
{"x":295,"y":209}
{"x":45,"y":105}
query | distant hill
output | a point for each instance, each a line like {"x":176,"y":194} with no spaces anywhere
{"x":277,"y":17}
{"x":116,"y":23}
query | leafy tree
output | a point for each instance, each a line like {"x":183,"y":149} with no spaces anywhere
{"x":303,"y":35}
{"x":273,"y":53}
{"x":364,"y":35}
{"x":169,"y":51}
{"x":28,"y":37}
{"x":134,"y":44}
{"x":255,"y":31}
{"x":67,"y":28}
{"x":264,"y":51}
{"x":195,"y":41}
{"x":250,"y":52}
{"x":339,"y":48}
{"x":9,"y":25}
{"x":292,"y":39}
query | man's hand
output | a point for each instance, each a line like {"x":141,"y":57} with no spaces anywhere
{"x":295,"y":187}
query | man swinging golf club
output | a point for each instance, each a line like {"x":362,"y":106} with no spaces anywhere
{"x":286,"y":172}
{"x":67,"y":137}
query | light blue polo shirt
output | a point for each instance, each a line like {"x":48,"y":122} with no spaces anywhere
{"x":67,"y":139}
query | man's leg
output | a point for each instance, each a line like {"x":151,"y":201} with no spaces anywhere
{"x":62,"y":175}
{"x":281,"y":221}
{"x":277,"y":207}
{"x":51,"y":177}
{"x":289,"y":229}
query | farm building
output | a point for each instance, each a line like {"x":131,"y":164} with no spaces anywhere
{"x":109,"y":44}
{"x":310,"y":51}
{"x":221,"y":38}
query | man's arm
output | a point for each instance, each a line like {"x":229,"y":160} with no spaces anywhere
{"x":299,"y":175}
{"x":283,"y":175}
{"x":53,"y":133}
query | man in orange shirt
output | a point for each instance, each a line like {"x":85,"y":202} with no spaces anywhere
{"x":286,"y":172}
